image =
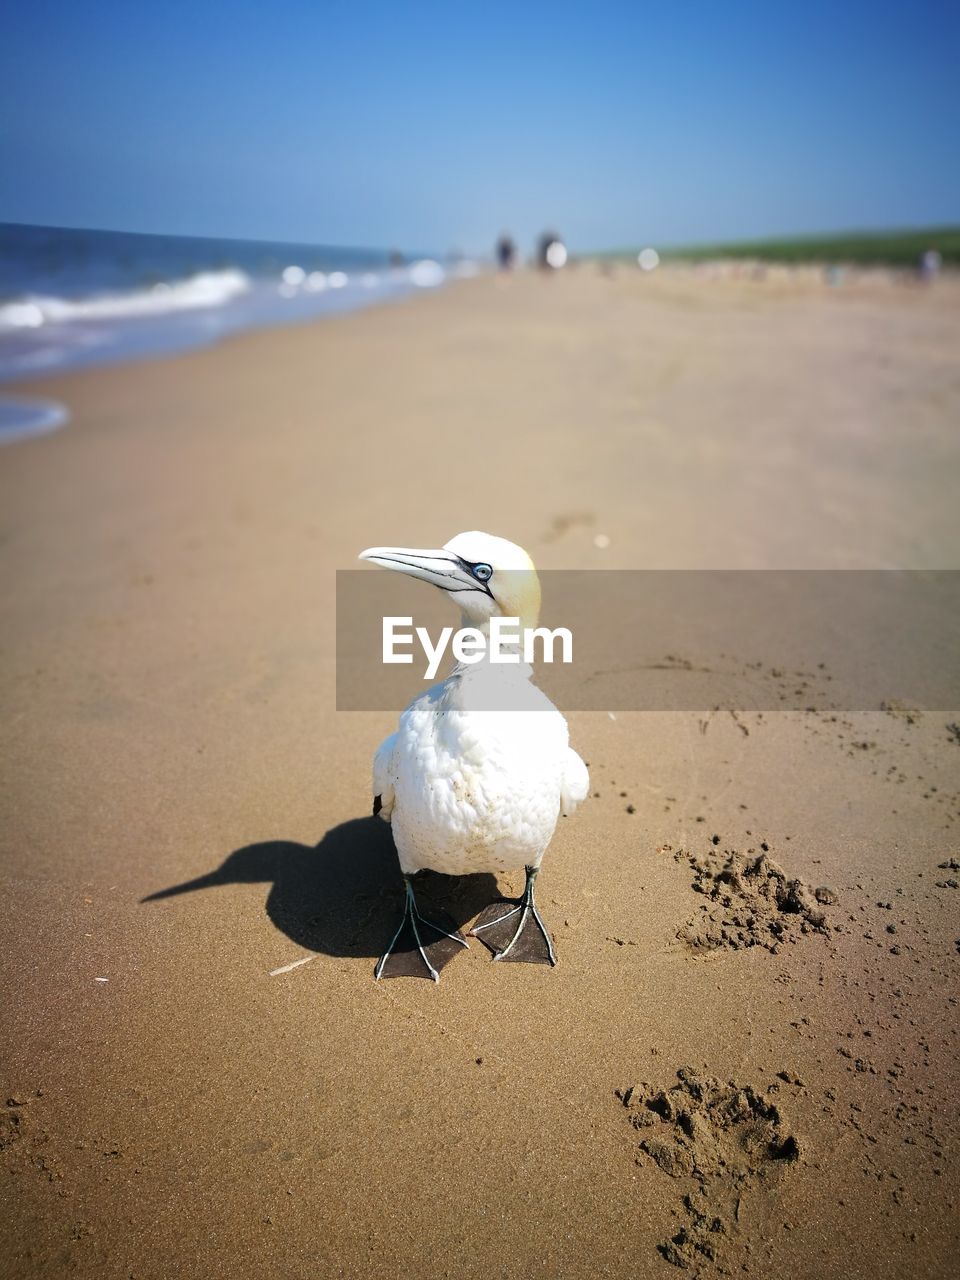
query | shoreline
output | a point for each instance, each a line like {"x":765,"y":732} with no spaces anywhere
{"x":38,"y":392}
{"x":72,"y":298}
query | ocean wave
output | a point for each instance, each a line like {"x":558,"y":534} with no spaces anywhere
{"x":20,"y":418}
{"x":206,"y":289}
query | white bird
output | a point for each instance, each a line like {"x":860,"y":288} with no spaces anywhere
{"x":480,"y":768}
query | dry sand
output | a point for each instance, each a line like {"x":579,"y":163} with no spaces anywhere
{"x":184,"y":1099}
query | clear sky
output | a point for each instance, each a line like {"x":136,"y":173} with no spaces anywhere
{"x":435,"y":125}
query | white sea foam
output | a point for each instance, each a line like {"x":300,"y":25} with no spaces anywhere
{"x":207,"y":289}
{"x":50,"y":326}
{"x":23,"y":353}
{"x":21,"y":418}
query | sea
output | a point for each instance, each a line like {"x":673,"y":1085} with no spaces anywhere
{"x":71,"y":298}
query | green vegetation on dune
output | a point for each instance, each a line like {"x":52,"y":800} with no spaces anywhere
{"x":861,"y":248}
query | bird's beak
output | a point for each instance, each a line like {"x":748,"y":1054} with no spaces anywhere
{"x":440,"y":568}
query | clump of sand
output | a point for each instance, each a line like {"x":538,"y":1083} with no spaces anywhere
{"x":724,"y":1138}
{"x":751,"y":902}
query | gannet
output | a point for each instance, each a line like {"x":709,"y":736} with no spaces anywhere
{"x":480,"y":768}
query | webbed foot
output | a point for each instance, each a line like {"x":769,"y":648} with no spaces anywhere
{"x":513,"y":930}
{"x":420,"y":947}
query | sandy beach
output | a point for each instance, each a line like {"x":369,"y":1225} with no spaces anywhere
{"x":210,"y":1084}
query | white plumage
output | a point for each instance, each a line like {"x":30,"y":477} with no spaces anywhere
{"x":468,"y":789}
{"x":480,"y":769}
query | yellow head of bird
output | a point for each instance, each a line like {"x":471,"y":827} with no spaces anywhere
{"x":485,"y":575}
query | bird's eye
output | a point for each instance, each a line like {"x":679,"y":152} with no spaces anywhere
{"x":482,"y":572}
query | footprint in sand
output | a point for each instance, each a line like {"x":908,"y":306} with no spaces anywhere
{"x":725,"y":1140}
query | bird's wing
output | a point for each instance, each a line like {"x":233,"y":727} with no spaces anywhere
{"x":384,"y":777}
{"x":575,"y":784}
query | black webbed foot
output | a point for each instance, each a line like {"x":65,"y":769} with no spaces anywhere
{"x":513,"y":930}
{"x":421,"y":947}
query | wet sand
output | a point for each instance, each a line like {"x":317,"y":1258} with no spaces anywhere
{"x":184,"y":1098}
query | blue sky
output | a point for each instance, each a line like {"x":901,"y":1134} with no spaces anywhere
{"x":435,"y":125}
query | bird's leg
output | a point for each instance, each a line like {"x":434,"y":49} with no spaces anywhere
{"x":514,"y":931}
{"x":411,"y":960}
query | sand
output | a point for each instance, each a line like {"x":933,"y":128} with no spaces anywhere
{"x":210,"y":1083}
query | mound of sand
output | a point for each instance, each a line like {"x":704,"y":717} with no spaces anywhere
{"x":751,"y":902}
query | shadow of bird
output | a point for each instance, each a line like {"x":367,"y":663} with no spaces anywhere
{"x":339,"y":897}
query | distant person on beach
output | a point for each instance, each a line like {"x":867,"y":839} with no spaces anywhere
{"x":506,"y":253}
{"x":552,"y":252}
{"x":930,"y":264}
{"x":396,"y":259}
